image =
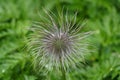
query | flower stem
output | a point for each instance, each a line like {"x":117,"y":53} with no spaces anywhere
{"x":63,"y":71}
{"x":63,"y":74}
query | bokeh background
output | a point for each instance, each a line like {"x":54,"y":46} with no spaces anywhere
{"x":103,"y":18}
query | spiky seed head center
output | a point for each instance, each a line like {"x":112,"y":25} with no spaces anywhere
{"x":58,"y":44}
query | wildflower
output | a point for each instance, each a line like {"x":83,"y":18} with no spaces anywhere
{"x":58,"y":41}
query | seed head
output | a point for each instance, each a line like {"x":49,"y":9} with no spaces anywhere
{"x":57,"y":41}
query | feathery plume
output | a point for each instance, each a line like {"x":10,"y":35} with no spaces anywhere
{"x":57,"y":41}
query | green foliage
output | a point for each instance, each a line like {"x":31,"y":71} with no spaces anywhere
{"x":103,"y":18}
{"x":14,"y":21}
{"x":107,"y":30}
{"x":108,"y":68}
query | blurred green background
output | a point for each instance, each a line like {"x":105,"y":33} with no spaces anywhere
{"x":103,"y":17}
